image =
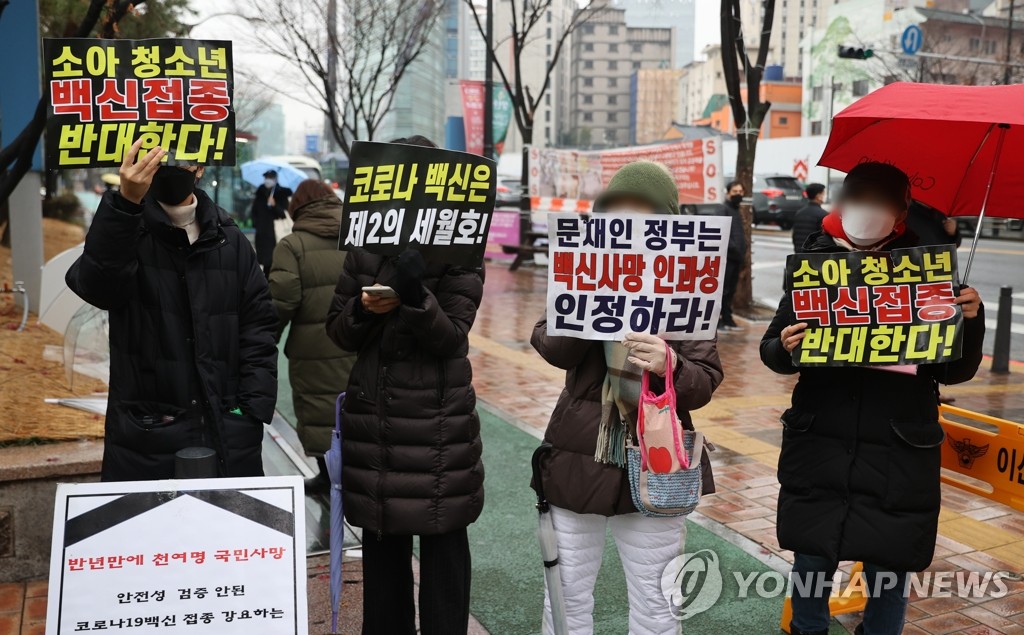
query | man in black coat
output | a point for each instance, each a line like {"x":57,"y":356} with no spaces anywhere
{"x":808,"y":219}
{"x":192,"y":355}
{"x":735,"y":254}
{"x":861,"y":446}
{"x":269,"y":205}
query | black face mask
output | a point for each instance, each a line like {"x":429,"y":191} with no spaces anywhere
{"x":172,"y":185}
{"x":736,"y":199}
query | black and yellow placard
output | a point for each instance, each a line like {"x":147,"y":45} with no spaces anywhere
{"x":438,"y":202}
{"x":104,"y":94}
{"x":876,"y":308}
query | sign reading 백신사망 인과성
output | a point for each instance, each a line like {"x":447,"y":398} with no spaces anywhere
{"x":171,"y":92}
{"x":609,"y":275}
{"x":206,"y":556}
{"x":878,"y":308}
{"x":436,"y":201}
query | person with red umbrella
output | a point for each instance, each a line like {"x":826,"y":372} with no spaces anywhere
{"x":859,"y":466}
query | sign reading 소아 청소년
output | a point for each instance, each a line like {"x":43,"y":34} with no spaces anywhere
{"x":876,"y":308}
{"x":437,"y":201}
{"x":104,"y":94}
{"x":609,"y":275}
{"x":214,"y":556}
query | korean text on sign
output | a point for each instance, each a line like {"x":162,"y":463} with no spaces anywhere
{"x":105,"y":94}
{"x":437,"y":201}
{"x":876,"y":308}
{"x":615,"y":274}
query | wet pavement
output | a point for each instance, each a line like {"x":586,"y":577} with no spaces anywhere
{"x":743,"y":422}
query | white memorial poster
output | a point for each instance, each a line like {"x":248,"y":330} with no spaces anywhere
{"x":224,"y":556}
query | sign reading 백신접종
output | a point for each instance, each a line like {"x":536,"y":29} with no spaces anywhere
{"x":876,"y":308}
{"x":205,"y":556}
{"x":609,"y":275}
{"x":436,"y":201}
{"x":171,"y":92}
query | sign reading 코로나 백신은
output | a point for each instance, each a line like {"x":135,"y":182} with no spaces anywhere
{"x":104,"y":94}
{"x":438,"y":202}
{"x":876,"y":308}
{"x":207,"y":557}
{"x":609,"y":275}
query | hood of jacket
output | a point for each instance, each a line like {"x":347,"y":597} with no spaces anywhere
{"x":208,"y":216}
{"x":321,"y":217}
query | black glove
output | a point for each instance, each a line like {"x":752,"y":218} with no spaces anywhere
{"x":408,"y":282}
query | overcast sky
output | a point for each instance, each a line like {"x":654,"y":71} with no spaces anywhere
{"x":300,"y":118}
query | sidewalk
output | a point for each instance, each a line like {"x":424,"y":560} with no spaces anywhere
{"x":743,"y":422}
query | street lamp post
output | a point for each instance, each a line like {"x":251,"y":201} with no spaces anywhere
{"x":1009,"y":44}
{"x":489,"y":85}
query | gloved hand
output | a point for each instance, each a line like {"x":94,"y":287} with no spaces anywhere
{"x":648,"y":352}
{"x":408,"y":282}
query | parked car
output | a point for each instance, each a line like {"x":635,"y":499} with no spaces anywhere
{"x":777,"y":199}
{"x":509,"y":192}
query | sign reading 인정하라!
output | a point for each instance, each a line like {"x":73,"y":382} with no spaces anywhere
{"x":878,"y":308}
{"x":438,"y":202}
{"x":206,"y":556}
{"x":171,"y":92}
{"x":609,"y":275}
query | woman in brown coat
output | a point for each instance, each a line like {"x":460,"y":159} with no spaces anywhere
{"x":411,"y":436}
{"x":586,"y":495}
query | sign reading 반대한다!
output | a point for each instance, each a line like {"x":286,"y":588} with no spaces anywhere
{"x":208,"y":556}
{"x":609,"y":275}
{"x":104,"y":94}
{"x":879,"y":308}
{"x":436,"y":201}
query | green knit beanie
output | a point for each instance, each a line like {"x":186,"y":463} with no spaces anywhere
{"x":645,"y":180}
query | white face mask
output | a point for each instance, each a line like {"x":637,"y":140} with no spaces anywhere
{"x":866,"y":223}
{"x":269,"y":183}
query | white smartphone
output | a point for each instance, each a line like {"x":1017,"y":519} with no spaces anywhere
{"x":380,"y":291}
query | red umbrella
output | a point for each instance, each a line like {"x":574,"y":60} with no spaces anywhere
{"x":961,"y":146}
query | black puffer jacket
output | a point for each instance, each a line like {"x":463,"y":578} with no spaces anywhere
{"x":411,"y":436}
{"x":191,"y":338}
{"x":859,"y":466}
{"x":807,"y":221}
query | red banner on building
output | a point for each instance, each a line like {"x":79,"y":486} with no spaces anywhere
{"x":473,"y":115}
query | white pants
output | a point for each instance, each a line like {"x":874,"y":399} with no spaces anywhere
{"x":646,"y":546}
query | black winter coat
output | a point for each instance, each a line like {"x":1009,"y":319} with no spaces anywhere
{"x":411,"y":436}
{"x":859,"y":466}
{"x":807,"y":221}
{"x":191,"y":338}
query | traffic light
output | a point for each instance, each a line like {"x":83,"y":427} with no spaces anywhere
{"x":855,"y":53}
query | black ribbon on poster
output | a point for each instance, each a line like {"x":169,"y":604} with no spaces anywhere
{"x":439,"y":202}
{"x":104,"y":94}
{"x":879,"y":308}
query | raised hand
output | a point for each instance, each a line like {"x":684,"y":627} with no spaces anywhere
{"x":137,"y":176}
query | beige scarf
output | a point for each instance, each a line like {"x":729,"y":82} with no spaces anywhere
{"x":619,"y":398}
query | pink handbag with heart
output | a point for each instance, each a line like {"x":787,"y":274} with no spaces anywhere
{"x":660,"y":435}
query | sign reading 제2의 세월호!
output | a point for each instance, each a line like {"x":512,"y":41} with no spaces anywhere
{"x":205,"y":556}
{"x":170,"y":92}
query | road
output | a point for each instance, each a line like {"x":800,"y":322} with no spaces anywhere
{"x":996,"y":263}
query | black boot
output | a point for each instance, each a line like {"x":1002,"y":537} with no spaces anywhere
{"x":796,"y":631}
{"x":321,"y":483}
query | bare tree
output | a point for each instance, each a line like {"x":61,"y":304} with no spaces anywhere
{"x":736,"y":67}
{"x":526,"y":16}
{"x":375,"y":45}
{"x":250,"y":101}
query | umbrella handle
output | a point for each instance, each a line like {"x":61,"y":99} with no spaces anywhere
{"x":538,"y":483}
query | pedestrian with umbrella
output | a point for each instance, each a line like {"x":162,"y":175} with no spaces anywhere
{"x":269,"y":204}
{"x":584,"y":478}
{"x":860,"y":458}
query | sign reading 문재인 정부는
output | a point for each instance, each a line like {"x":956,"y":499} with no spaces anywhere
{"x":171,"y":92}
{"x":880,"y":308}
{"x":206,"y":556}
{"x":613,"y":274}
{"x":436,"y":201}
